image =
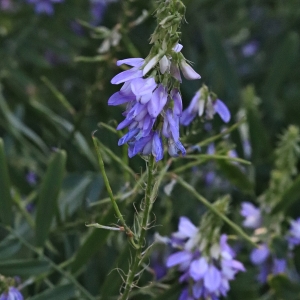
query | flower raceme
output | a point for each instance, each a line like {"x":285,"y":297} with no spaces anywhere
{"x":154,"y":106}
{"x":206,"y":274}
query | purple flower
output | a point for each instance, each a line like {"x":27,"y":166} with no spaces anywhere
{"x":187,"y":71}
{"x":267,"y":263}
{"x":260,"y":255}
{"x":31,"y":178}
{"x":97,"y":10}
{"x":206,"y":273}
{"x":250,"y":48}
{"x":252,"y":215}
{"x":294,"y":234}
{"x":146,"y":100}
{"x":12,"y":294}
{"x":6,"y":5}
{"x":203,"y":102}
{"x":44,"y":6}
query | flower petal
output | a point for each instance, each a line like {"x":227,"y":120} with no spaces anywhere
{"x":151,"y":63}
{"x":127,"y":75}
{"x":133,"y":62}
{"x":198,"y":268}
{"x":158,"y":101}
{"x":177,"y":109}
{"x":187,"y":71}
{"x":178,"y":258}
{"x":177,"y":48}
{"x":212,"y":279}
{"x":174,"y":71}
{"x":186,"y":227}
{"x":259,"y":255}
{"x":128,"y":136}
{"x":222,"y":110}
{"x":164,"y":65}
{"x":157,"y":148}
{"x":117,"y":99}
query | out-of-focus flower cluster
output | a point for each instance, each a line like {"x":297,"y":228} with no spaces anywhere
{"x":44,"y":6}
{"x":7,"y":289}
{"x":206,"y":267}
{"x":264,"y":257}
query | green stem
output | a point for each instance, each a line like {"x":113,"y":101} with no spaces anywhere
{"x":218,"y":157}
{"x":220,"y":135}
{"x":145,"y":219}
{"x":236,"y":228}
{"x":128,"y":231}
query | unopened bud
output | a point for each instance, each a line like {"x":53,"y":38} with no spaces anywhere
{"x":187,"y":71}
{"x":164,"y":65}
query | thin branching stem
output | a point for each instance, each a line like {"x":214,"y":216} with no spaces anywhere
{"x":128,"y":231}
{"x":220,"y":135}
{"x":144,"y":223}
{"x":235,"y":227}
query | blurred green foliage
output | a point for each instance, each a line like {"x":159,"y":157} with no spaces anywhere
{"x":55,"y":76}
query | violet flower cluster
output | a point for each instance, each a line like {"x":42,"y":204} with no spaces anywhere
{"x":44,"y":6}
{"x":12,"y":294}
{"x":206,"y":274}
{"x":267,"y":262}
{"x":263,"y":257}
{"x":153,"y":108}
{"x":205,"y":104}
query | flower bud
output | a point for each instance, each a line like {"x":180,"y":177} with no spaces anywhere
{"x":187,"y":71}
{"x":164,"y":65}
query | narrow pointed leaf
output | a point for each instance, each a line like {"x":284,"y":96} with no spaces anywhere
{"x":283,"y":287}
{"x":93,"y":242}
{"x":8,"y":247}
{"x":24,"y":267}
{"x":222,"y":65}
{"x":5,"y":198}
{"x":61,"y":292}
{"x":48,"y":195}
{"x":17,"y":126}
{"x":290,"y":196}
{"x":170,"y":294}
{"x":236,"y":176}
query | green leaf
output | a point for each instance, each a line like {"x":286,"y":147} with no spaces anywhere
{"x":113,"y":281}
{"x":236,"y":176}
{"x":170,"y":294}
{"x":61,"y":123}
{"x":73,"y":194}
{"x":290,"y":196}
{"x":284,"y":288}
{"x":24,"y":267}
{"x":17,"y":126}
{"x":282,"y":63}
{"x":58,"y":95}
{"x":258,"y":135}
{"x":6,"y":200}
{"x":222,"y":65}
{"x":64,"y":292}
{"x":94,"y":241}
{"x":48,"y":195}
{"x":8,"y":247}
